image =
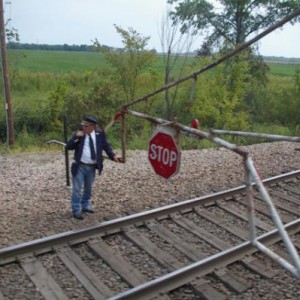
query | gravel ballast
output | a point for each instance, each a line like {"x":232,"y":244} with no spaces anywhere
{"x":35,"y":201}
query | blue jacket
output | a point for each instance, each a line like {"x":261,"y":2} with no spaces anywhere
{"x":77,"y":143}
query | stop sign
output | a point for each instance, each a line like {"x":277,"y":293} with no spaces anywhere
{"x":164,"y":154}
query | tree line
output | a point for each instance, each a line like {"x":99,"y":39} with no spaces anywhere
{"x":64,"y":47}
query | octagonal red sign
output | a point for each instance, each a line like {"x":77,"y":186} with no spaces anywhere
{"x":164,"y":154}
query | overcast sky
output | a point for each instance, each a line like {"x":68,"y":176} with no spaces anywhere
{"x":80,"y":21}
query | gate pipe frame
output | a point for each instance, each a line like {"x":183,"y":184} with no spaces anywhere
{"x":250,"y":171}
{"x":251,"y":176}
{"x":294,"y":269}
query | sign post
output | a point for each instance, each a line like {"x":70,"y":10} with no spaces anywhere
{"x":164,"y":153}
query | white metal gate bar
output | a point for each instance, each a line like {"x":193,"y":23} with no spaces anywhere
{"x":278,"y":223}
{"x":196,"y":133}
{"x":275,"y":137}
{"x":285,"y":264}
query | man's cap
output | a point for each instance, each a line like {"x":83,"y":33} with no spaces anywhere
{"x":88,"y":121}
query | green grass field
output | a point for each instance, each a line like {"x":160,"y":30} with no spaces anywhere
{"x":55,"y":61}
{"x":69,"y":61}
{"x":281,"y":69}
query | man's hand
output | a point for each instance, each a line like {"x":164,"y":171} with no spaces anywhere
{"x":79,"y":133}
{"x":118,"y":159}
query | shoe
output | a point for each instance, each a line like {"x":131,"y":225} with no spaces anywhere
{"x":78,"y":216}
{"x":88,"y":210}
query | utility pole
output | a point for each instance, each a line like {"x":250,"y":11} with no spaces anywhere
{"x":8,"y":102}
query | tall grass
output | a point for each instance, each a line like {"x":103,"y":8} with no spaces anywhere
{"x":36,"y":73}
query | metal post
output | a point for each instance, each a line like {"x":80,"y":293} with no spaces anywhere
{"x":250,"y":204}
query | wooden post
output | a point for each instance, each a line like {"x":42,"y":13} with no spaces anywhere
{"x":123,"y":137}
{"x":66,"y":152}
{"x":8,"y":102}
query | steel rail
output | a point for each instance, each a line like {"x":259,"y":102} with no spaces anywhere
{"x":203,"y":267}
{"x":11,"y":253}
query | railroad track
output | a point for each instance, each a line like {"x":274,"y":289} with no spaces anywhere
{"x":196,"y":249}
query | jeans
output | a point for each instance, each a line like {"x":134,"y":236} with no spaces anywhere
{"x":82,"y":188}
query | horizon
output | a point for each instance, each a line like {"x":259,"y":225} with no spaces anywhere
{"x":89,"y":45}
{"x":79,"y":22}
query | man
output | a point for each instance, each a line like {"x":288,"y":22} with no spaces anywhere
{"x":88,"y":144}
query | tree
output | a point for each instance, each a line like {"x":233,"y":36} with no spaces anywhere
{"x":130,"y":61}
{"x":176,"y":49}
{"x":220,"y":101}
{"x":230,"y":22}
{"x":12,"y":34}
